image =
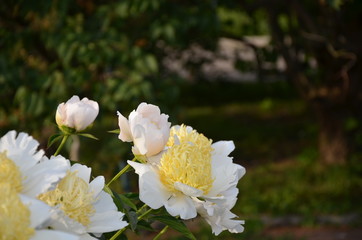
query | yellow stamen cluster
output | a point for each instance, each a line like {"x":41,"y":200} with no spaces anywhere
{"x":73,"y":195}
{"x":188,"y":162}
{"x":14,"y":215}
{"x":10,"y":173}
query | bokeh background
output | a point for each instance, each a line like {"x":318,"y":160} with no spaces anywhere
{"x":282,"y":79}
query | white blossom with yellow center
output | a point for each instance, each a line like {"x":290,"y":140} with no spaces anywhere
{"x":25,"y":168}
{"x":186,"y":166}
{"x":192,"y":176}
{"x":81,"y":206}
{"x":21,"y":217}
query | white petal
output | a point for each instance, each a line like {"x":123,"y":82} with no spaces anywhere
{"x":241,"y":171}
{"x":97,"y":185}
{"x":39,"y":211}
{"x":84,"y":172}
{"x":85,"y":115}
{"x":104,"y":203}
{"x":148,"y":109}
{"x":155,"y":159}
{"x":140,"y":168}
{"x":181,"y":205}
{"x":21,"y":149}
{"x":188,"y":190}
{"x":149,"y":129}
{"x":155,"y":142}
{"x":225,"y":176}
{"x":47,"y":234}
{"x":39,"y":178}
{"x":139,"y":139}
{"x":87,"y":237}
{"x":77,"y":114}
{"x":152,"y":191}
{"x":106,"y":222}
{"x":60,"y":221}
{"x":73,"y":99}
{"x":61,"y":114}
{"x":223,"y":147}
{"x":125,"y":134}
{"x":220,"y":218}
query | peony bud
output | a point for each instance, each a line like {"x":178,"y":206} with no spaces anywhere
{"x":76,"y":114}
{"x":147,"y":128}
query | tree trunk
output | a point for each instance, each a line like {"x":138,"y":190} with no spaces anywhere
{"x":332,"y":142}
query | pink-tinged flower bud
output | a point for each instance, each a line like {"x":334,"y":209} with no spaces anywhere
{"x":147,"y":128}
{"x":76,"y":114}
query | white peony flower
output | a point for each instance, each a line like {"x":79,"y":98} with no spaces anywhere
{"x":191,"y":170}
{"x":147,"y":128}
{"x":22,"y":218}
{"x":25,"y":168}
{"x":81,"y":206}
{"x":77,"y":114}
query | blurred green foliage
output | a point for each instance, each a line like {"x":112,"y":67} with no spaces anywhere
{"x":236,"y":22}
{"x":110,"y":51}
{"x":305,"y":189}
{"x":275,"y":137}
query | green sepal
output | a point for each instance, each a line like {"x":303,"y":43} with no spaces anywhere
{"x":141,"y":158}
{"x":116,"y":131}
{"x":67,"y":130}
{"x":87,"y":135}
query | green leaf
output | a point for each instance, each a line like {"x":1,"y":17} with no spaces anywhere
{"x":151,"y":63}
{"x":336,"y":4}
{"x":52,"y":139}
{"x":115,"y":198}
{"x":127,"y":201}
{"x":132,"y":196}
{"x":88,"y":135}
{"x":132,"y":219}
{"x":124,"y":204}
{"x":116,"y":131}
{"x":176,"y":224}
{"x":145,"y":225}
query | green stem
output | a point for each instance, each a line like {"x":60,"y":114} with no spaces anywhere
{"x":141,"y":209}
{"x":144,"y":214}
{"x":125,"y":169}
{"x":120,"y":231}
{"x":64,"y":140}
{"x":161,"y":232}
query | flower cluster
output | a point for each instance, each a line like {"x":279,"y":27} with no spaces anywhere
{"x":179,"y":169}
{"x":44,"y":198}
{"x":182,"y":170}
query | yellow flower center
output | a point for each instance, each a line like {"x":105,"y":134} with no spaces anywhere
{"x":14,"y":215}
{"x":10,"y":173}
{"x":73,"y":195}
{"x":188,"y":162}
